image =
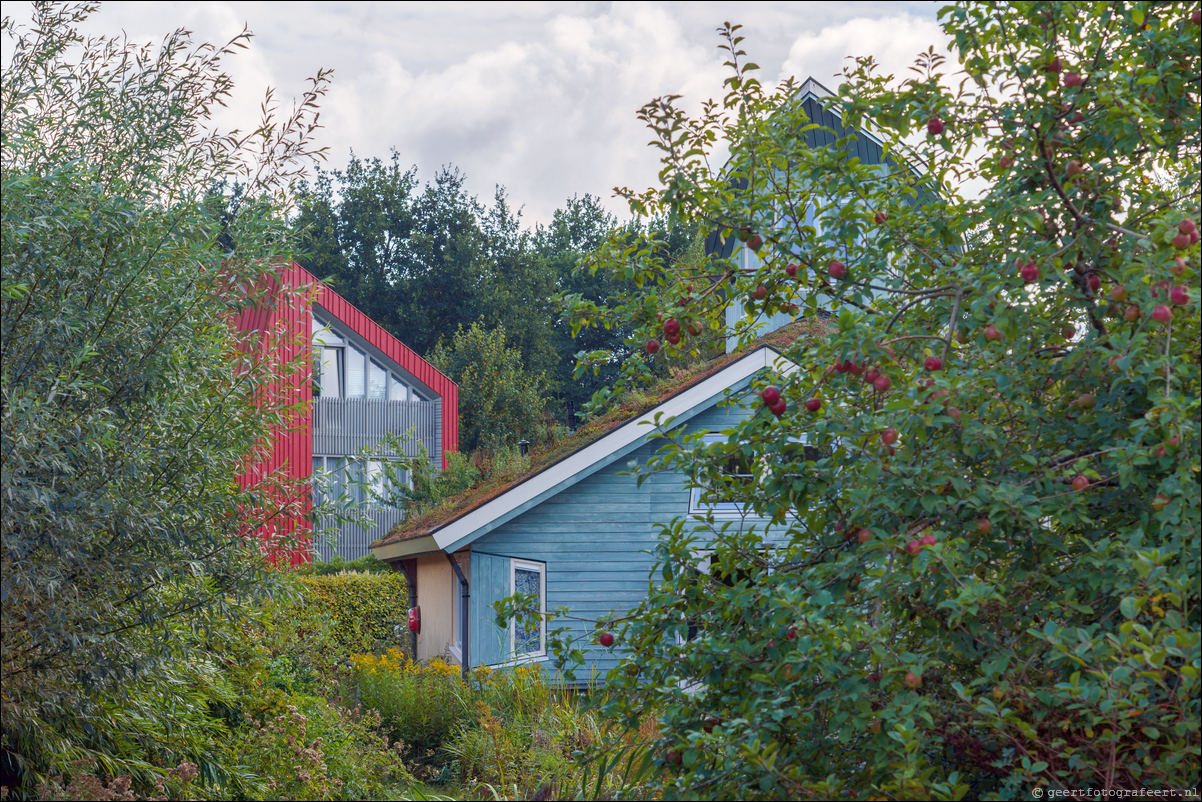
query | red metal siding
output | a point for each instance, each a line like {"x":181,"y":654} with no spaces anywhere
{"x":281,"y":331}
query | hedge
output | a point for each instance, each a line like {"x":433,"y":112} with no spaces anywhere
{"x":366,"y":608}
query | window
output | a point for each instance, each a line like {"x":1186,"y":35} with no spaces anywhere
{"x":344,"y":371}
{"x":740,"y":471}
{"x":356,"y":373}
{"x":529,"y":578}
{"x":365,"y":482}
{"x":703,"y":499}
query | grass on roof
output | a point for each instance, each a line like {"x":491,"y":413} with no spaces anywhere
{"x":630,"y":404}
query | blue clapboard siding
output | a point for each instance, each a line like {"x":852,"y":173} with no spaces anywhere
{"x":596,"y":539}
{"x":490,"y":581}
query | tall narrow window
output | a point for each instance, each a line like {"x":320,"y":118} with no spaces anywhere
{"x":529,"y":578}
{"x":331,"y":372}
{"x":356,"y":373}
{"x":377,"y":381}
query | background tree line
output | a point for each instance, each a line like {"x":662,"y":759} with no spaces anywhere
{"x":427,"y":260}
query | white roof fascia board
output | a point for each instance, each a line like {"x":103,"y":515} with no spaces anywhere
{"x":406,"y":548}
{"x":609,"y":448}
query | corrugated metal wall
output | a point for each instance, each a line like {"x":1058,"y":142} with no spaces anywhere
{"x":282,"y":324}
{"x":343,"y":426}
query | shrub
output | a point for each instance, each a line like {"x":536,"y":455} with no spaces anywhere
{"x":365,"y":609}
{"x":421,"y":703}
{"x":304,"y":747}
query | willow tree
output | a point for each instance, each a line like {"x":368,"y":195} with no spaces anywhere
{"x":130,"y":408}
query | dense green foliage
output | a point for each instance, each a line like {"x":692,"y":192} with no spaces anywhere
{"x":365,"y":610}
{"x":984,"y":574}
{"x":499,"y":396}
{"x":129,"y":409}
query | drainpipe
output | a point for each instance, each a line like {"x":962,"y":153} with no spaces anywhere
{"x":465,"y":594}
{"x":411,"y":581}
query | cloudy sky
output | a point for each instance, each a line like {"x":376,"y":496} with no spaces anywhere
{"x":537,"y":97}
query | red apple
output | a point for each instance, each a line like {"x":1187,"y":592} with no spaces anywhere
{"x":1160,"y":502}
{"x":871,"y":375}
{"x":913,"y":547}
{"x":1080,"y":482}
{"x":913,"y":680}
{"x":1119,"y":293}
{"x":1072,"y":79}
{"x":954,"y":414}
{"x":863,"y":536}
{"x":1178,"y":266}
{"x":1054,"y":65}
{"x":933,"y":363}
{"x":1161,"y":451}
{"x":875,"y":726}
{"x":791,"y":634}
{"x":889,"y":436}
{"x":1095,"y":282}
{"x":771,"y":395}
{"x":837,"y":269}
{"x":1074,"y":168}
{"x":1068,"y":332}
{"x":1131,"y":314}
{"x":671,"y":326}
{"x":1162,"y":314}
{"x":652,"y":346}
{"x":882,"y":383}
{"x":855,"y":369}
{"x":694,"y":329}
{"x":756,"y":242}
{"x":814,"y":404}
{"x":935,"y":127}
{"x":1005,"y":162}
{"x":928,"y":540}
{"x":842,"y":367}
{"x":992,"y":333}
{"x":1179,"y":296}
{"x":606,"y":639}
{"x":1181,"y":241}
{"x":1187,"y":227}
{"x":1029,"y":273}
{"x":984,"y":526}
{"x":673,"y":338}
{"x":791,"y":269}
{"x":778,"y":408}
{"x":879,"y":218}
{"x":1086,"y":401}
{"x":760,"y":292}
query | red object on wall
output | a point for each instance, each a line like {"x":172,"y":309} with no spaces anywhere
{"x":280,"y":328}
{"x":415,"y":620}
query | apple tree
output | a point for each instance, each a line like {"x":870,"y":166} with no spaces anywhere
{"x":981,"y":569}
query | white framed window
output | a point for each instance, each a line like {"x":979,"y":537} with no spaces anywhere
{"x":344,"y":371}
{"x":526,"y":576}
{"x":703,"y":500}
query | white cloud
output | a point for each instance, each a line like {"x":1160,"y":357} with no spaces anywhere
{"x":893,"y":42}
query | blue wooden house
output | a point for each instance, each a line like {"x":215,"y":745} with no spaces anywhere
{"x":575,"y":530}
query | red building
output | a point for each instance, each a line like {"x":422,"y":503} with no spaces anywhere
{"x":356,"y":383}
